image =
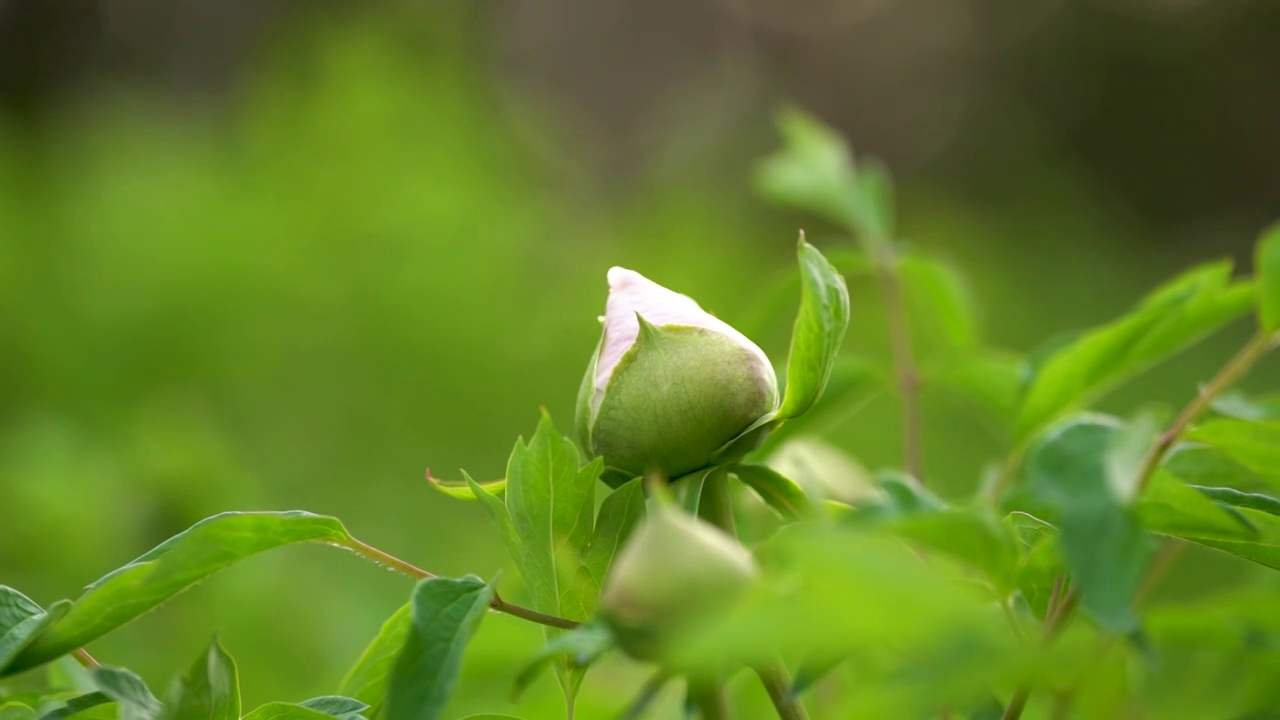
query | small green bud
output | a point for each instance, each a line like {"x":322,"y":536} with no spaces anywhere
{"x":675,"y":572}
{"x":670,"y":384}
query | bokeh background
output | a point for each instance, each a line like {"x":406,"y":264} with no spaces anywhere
{"x":268,"y":254}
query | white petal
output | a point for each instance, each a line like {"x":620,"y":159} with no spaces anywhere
{"x":631,"y":293}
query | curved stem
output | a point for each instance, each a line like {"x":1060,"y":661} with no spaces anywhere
{"x":1235,"y":369}
{"x":497,"y":604}
{"x":778,"y":684}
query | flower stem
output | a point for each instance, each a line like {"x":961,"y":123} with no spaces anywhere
{"x":1235,"y":369}
{"x":906,"y":374}
{"x":778,"y":685}
{"x":496,"y":603}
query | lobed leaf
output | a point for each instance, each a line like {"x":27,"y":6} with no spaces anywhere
{"x":551,"y":500}
{"x":445,"y":614}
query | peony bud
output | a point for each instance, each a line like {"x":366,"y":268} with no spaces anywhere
{"x":674,"y":572}
{"x":670,"y":384}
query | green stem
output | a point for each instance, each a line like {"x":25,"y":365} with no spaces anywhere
{"x":708,"y":697}
{"x":1230,"y":373}
{"x":716,"y":507}
{"x":86,"y":660}
{"x":497,"y":604}
{"x":778,"y":685}
{"x":906,"y":374}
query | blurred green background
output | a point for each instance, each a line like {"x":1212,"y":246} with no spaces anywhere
{"x":276,"y":255}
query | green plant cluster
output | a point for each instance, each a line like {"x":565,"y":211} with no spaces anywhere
{"x":1029,"y":596}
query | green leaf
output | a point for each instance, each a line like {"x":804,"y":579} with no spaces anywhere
{"x":1039,"y":559}
{"x":1102,"y":539}
{"x":813,"y":171}
{"x":367,"y":680}
{"x":618,"y":515}
{"x":491,"y":716}
{"x":130,"y":691}
{"x":497,"y":511}
{"x":1167,"y":321}
{"x":967,"y":536}
{"x":286,"y":711}
{"x":1267,"y":269}
{"x":1235,"y":498}
{"x":1170,"y":507}
{"x":1263,"y":548}
{"x":445,"y":615}
{"x":173,"y":566}
{"x":990,"y":381}
{"x":1197,"y":464}
{"x":551,"y":499}
{"x":1235,"y":404}
{"x":21,"y":621}
{"x":819,"y":330}
{"x":78,"y":706}
{"x":337,"y":706}
{"x":468,"y":490}
{"x":579,"y":647}
{"x":781,"y":493}
{"x":943,"y":318}
{"x":1255,"y":445}
{"x":16,"y":711}
{"x":209,"y":691}
{"x":688,"y":489}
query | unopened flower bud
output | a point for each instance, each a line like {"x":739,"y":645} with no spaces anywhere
{"x":674,"y":572}
{"x":670,"y":384}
